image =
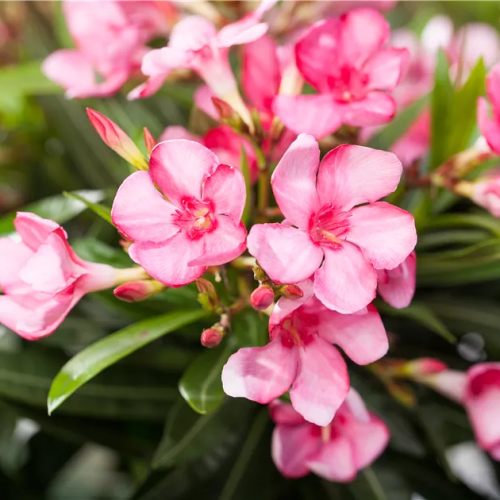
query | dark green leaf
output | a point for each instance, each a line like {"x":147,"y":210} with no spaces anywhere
{"x":97,"y":208}
{"x":250,"y":328}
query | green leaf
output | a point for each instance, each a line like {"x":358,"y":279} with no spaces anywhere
{"x":420,"y":313}
{"x":58,"y":208}
{"x":201,"y":385}
{"x":479,"y":220}
{"x":96,"y":251}
{"x":101,"y":210}
{"x":397,"y":127}
{"x":99,"y":356}
{"x":250,"y":329}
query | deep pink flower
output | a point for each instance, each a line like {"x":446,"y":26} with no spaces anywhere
{"x":346,"y":61}
{"x":486,"y":192}
{"x":325,"y":235}
{"x":397,"y":286}
{"x":42,"y":278}
{"x":111,"y":38}
{"x":336,"y":452}
{"x":200,"y":224}
{"x":300,"y":356}
{"x":490,"y":126}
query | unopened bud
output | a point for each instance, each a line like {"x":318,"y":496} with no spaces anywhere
{"x":291,"y":292}
{"x":423,"y":366}
{"x":211,"y":338}
{"x":229,"y":116}
{"x":261,"y":298}
{"x":135,"y":291}
{"x":208,"y":296}
{"x":149,"y":140}
{"x":114,"y":137}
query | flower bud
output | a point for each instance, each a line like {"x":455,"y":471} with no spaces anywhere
{"x":291,"y":292}
{"x":230,"y":117}
{"x":261,"y":298}
{"x":114,"y":137}
{"x":424,"y":366}
{"x":135,"y":291}
{"x":149,"y":140}
{"x":208,"y":296}
{"x":211,"y":338}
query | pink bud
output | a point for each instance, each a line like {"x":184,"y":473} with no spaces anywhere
{"x":292,"y":292}
{"x":149,"y":140}
{"x":211,"y":338}
{"x":425,"y":366}
{"x":261,"y":298}
{"x":135,"y":291}
{"x":223,"y":108}
{"x":114,"y":137}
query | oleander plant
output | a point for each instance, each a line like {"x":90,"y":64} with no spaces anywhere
{"x":249,"y":250}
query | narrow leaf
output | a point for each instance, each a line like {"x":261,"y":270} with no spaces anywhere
{"x":101,"y":210}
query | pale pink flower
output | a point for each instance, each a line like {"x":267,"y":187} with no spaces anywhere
{"x":490,"y":126}
{"x":200,"y":224}
{"x":337,"y":452}
{"x":397,"y":286}
{"x":486,"y":192}
{"x":325,"y":234}
{"x":42,"y":278}
{"x":346,"y":60}
{"x":111,"y":38}
{"x":300,"y":356}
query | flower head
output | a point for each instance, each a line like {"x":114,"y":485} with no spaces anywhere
{"x":486,"y":192}
{"x":300,"y":356}
{"x":193,"y":219}
{"x":346,"y":61}
{"x":490,"y":126}
{"x":325,"y":234}
{"x":337,"y":451}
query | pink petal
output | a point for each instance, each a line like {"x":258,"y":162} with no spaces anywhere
{"x":414,"y":143}
{"x":490,"y":128}
{"x":148,"y":88}
{"x":178,"y":132}
{"x":334,"y":461}
{"x":292,"y":446}
{"x":376,"y":108}
{"x":33,"y":229}
{"x":107,"y":87}
{"x":261,"y":73}
{"x":322,"y":382}
{"x":192,"y":33}
{"x":318,"y":115}
{"x":160,"y":62}
{"x":362,"y":33}
{"x":180,"y":167}
{"x":386,"y":234}
{"x":351,"y":175}
{"x":294,"y":181}
{"x":241,"y":32}
{"x":203,"y":100}
{"x":286,"y":254}
{"x":260,"y":374}
{"x":283,"y":413}
{"x":493,"y":87}
{"x":397,"y":286}
{"x":168,"y":262}
{"x":361,"y":336}
{"x":346,"y":282}
{"x":14,"y":258}
{"x":140,"y":212}
{"x":225,"y":188}
{"x":385,"y":67}
{"x":222,"y":245}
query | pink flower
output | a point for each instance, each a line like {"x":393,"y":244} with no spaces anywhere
{"x":346,"y":61}
{"x":486,"y":192}
{"x":195,"y":44}
{"x":200,"y":224}
{"x":324,"y":234}
{"x":490,"y":127}
{"x":300,"y":356}
{"x":42,"y":278}
{"x":337,"y":451}
{"x":111,"y":39}
{"x":397,"y":286}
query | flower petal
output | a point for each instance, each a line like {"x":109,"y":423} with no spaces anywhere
{"x":384,"y":68}
{"x":376,"y":108}
{"x":493,"y":87}
{"x":160,"y":62}
{"x":361,"y":336}
{"x":397,"y":286}
{"x":294,"y":181}
{"x":179,"y":168}
{"x":286,"y":254}
{"x":346,"y":282}
{"x":489,"y":127}
{"x":33,"y":229}
{"x":283,"y":413}
{"x":148,"y":88}
{"x":168,"y":262}
{"x":178,"y":132}
{"x":260,"y":374}
{"x":192,"y":33}
{"x":203,"y":100}
{"x":386,"y":234}
{"x":240,"y":32}
{"x":351,"y":175}
{"x":140,"y":212}
{"x":225,"y":188}
{"x":14,"y":257}
{"x":318,"y":115}
{"x":321,"y":384}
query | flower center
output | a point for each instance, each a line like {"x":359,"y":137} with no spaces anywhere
{"x":348,"y":84}
{"x":328,"y":226}
{"x":196,"y":217}
{"x":484,"y":381}
{"x":293,"y":331}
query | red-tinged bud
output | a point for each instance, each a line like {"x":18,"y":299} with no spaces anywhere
{"x":136,"y":291}
{"x":114,"y":137}
{"x":261,"y":298}
{"x":424,"y":366}
{"x":208,"y":296}
{"x":291,"y":292}
{"x":229,"y":116}
{"x":211,"y":338}
{"x":149,"y":140}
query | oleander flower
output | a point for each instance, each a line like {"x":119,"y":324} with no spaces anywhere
{"x":338,"y":451}
{"x":486,"y":192}
{"x":42,"y":278}
{"x":346,"y":61}
{"x":300,"y":356}
{"x":325,"y":234}
{"x":397,"y":286}
{"x":193,"y":219}
{"x":490,"y":126}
